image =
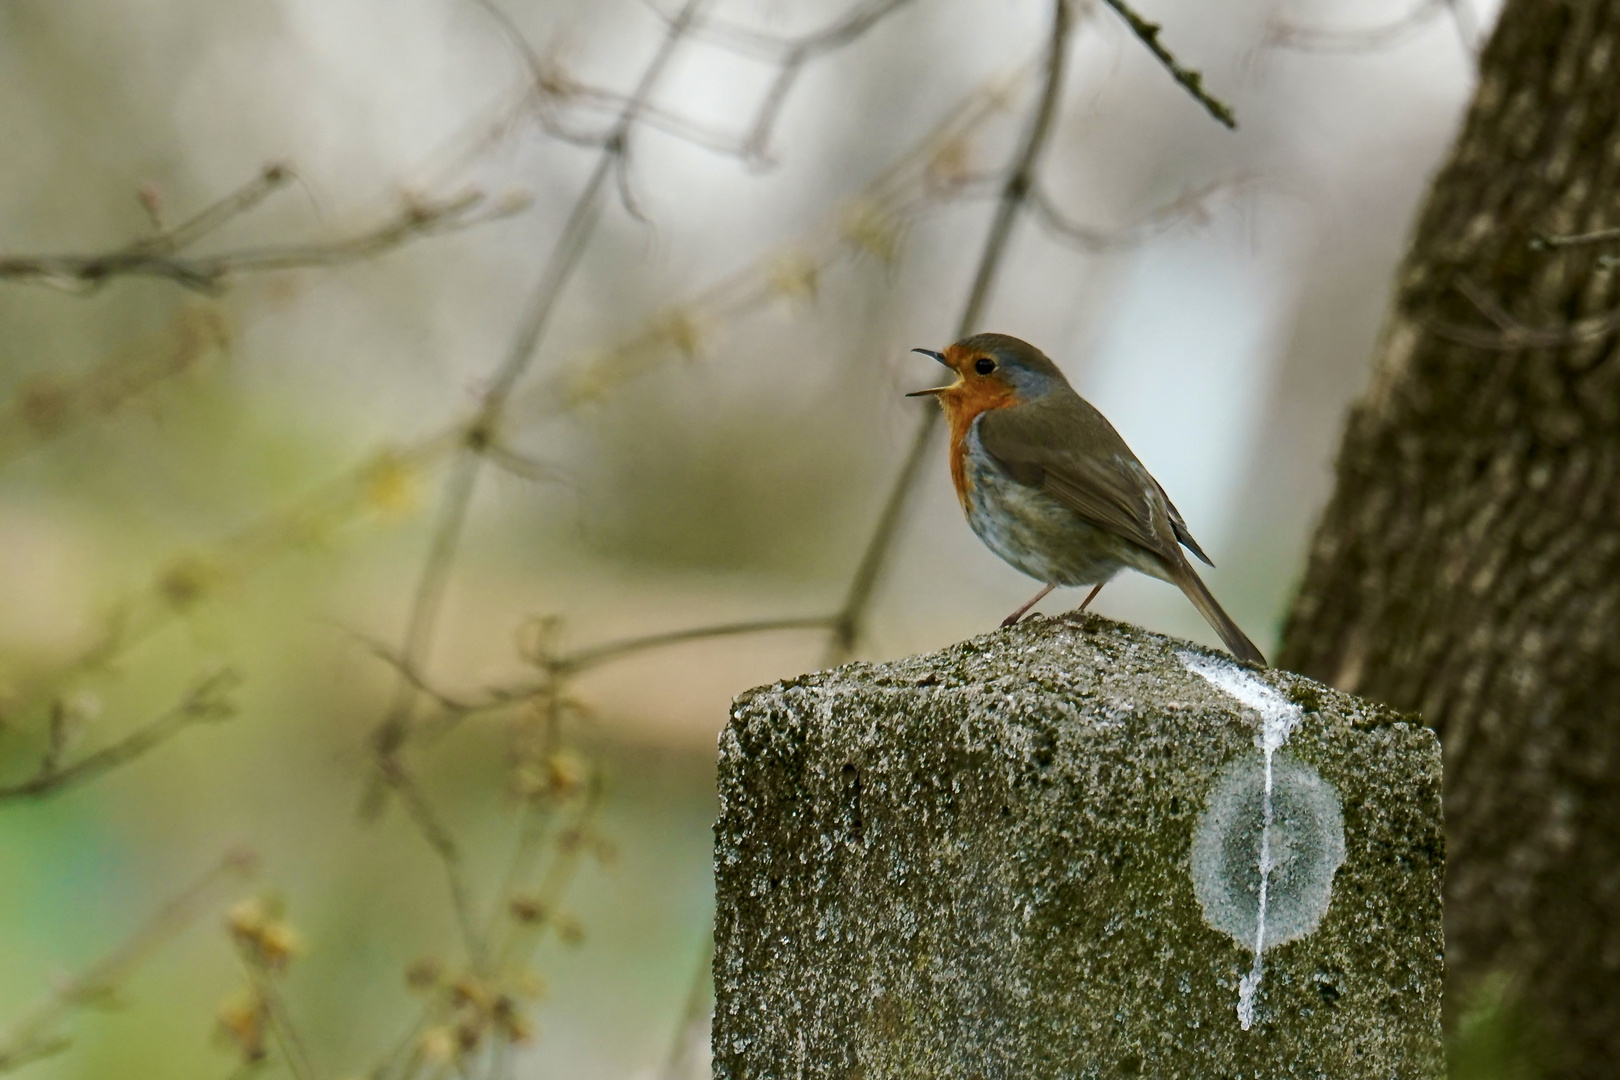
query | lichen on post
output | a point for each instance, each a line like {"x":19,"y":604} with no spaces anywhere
{"x":1075,"y":849}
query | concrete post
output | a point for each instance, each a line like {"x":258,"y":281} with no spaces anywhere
{"x":1075,"y":849}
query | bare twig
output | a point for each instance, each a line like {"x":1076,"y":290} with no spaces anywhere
{"x":208,"y":273}
{"x":617,"y":650}
{"x":450,"y":704}
{"x":35,"y":1034}
{"x":271,"y":178}
{"x":1511,"y":334}
{"x":558,"y":667}
{"x":510,"y":461}
{"x":1015,"y":195}
{"x":294,"y":1051}
{"x":551,"y":86}
{"x":1286,"y":35}
{"x":792,"y":54}
{"x":207,"y":702}
{"x":544,"y":902}
{"x":444,"y":845}
{"x":565,"y":255}
{"x":1601,"y":236}
{"x":1191,"y":206}
{"x":51,"y":406}
{"x":1466,"y":20}
{"x":1189,"y":80}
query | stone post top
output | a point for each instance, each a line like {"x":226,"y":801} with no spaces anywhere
{"x":1075,"y":848}
{"x":1084,"y":658}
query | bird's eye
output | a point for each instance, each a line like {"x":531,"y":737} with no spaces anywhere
{"x":984,"y":365}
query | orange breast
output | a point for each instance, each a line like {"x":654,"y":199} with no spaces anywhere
{"x":963,"y":404}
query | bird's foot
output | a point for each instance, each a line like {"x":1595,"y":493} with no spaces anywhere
{"x":1019,"y":614}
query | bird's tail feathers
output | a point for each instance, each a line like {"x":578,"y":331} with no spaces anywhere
{"x":1237,"y":642}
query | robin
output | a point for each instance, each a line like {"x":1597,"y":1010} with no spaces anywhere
{"x":1048,"y":484}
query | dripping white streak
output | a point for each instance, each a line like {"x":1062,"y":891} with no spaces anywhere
{"x":1278,"y":719}
{"x":1249,"y":985}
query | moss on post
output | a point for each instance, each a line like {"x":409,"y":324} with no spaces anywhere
{"x":1075,"y":849}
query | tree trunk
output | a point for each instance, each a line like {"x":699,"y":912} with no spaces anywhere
{"x":1468,"y":564}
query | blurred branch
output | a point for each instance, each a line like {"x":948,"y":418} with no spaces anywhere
{"x":1286,"y":35}
{"x":855,"y":22}
{"x":36,"y":1035}
{"x":692,"y":1027}
{"x":1511,"y":334}
{"x":1466,"y":21}
{"x":443,"y":844}
{"x":521,"y":466}
{"x":1015,"y":196}
{"x":475,"y":1016}
{"x":546,"y":83}
{"x":294,"y":1051}
{"x":617,"y":650}
{"x":1601,"y":236}
{"x":1191,"y":206}
{"x":556,"y":667}
{"x":866,"y":225}
{"x":1188,"y":79}
{"x":455,"y":706}
{"x":553,"y":88}
{"x":208,"y":273}
{"x":48,"y":407}
{"x":271,"y":178}
{"x":207,"y":702}
{"x":530,"y":912}
{"x":791,"y":55}
{"x":391,"y":733}
{"x":384,"y":484}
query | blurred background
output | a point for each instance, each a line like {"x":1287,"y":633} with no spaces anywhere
{"x":249,"y":479}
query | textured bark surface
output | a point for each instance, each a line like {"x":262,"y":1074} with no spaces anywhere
{"x":1037,"y":854}
{"x":1468,"y":565}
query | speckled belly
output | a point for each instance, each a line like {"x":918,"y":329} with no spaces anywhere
{"x":1037,"y":534}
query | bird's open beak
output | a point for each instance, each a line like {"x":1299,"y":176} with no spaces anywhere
{"x":932,"y":390}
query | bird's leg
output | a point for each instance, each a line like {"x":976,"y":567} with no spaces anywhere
{"x":1019,"y":614}
{"x":1090,"y":596}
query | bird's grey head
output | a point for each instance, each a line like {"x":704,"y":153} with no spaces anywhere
{"x":1002,"y":357}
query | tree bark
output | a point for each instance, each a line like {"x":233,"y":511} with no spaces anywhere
{"x":1468,"y":563}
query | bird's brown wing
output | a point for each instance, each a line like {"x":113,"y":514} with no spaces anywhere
{"x":1065,"y":447}
{"x":1180,"y":527}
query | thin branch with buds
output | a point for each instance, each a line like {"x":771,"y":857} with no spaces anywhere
{"x":38,"y":1034}
{"x":208,"y":702}
{"x":392,"y":732}
{"x":1188,"y":79}
{"x":209,"y":273}
{"x":50,"y":406}
{"x":455,"y":503}
{"x":911,"y":185}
